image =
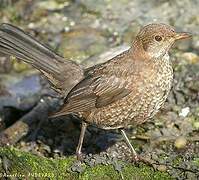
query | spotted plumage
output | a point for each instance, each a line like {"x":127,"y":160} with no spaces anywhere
{"x":126,"y":90}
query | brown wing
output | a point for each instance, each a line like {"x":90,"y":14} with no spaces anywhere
{"x":95,"y":92}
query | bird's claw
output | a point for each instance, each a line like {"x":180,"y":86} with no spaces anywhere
{"x":79,"y":156}
{"x":146,"y":161}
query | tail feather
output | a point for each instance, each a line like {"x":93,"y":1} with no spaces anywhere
{"x":14,"y":50}
{"x":35,"y":53}
{"x":62,"y":74}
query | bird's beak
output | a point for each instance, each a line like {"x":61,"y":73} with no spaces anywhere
{"x":182,"y":35}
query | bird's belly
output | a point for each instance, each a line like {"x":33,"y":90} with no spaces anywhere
{"x":121,"y":115}
{"x":148,"y":106}
{"x":134,"y":109}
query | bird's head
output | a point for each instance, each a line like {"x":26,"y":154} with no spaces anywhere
{"x":156,"y":39}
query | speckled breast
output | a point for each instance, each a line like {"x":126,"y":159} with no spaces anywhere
{"x":137,"y":107}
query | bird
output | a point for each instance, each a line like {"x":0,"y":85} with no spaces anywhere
{"x":126,"y":90}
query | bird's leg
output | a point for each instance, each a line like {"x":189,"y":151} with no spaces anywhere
{"x":81,"y":139}
{"x":135,"y":155}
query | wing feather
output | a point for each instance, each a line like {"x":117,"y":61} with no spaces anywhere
{"x":95,"y":92}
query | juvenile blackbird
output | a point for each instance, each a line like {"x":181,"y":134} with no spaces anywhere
{"x":126,"y":90}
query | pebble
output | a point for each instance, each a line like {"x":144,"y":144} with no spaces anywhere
{"x":191,"y":57}
{"x":180,"y":142}
{"x":162,"y":168}
{"x":184,"y":112}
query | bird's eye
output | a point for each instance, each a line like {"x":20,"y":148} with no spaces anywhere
{"x":158,"y":38}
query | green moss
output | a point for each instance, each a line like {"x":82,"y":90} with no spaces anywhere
{"x":177,"y":161}
{"x":143,"y":172}
{"x":23,"y":164}
{"x":12,"y":14}
{"x":129,"y":172}
{"x":32,"y":166}
{"x":196,"y":161}
{"x":96,"y":173}
{"x":20,"y":66}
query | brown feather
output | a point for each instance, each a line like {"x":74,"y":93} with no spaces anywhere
{"x":62,"y":74}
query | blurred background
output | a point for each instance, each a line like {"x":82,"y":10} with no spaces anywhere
{"x":90,"y":32}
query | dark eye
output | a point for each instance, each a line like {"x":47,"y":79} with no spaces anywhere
{"x":158,"y":38}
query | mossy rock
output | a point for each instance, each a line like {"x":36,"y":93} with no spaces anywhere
{"x":16,"y":163}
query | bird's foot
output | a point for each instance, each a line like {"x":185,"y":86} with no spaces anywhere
{"x":138,"y":158}
{"x":80,"y":156}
